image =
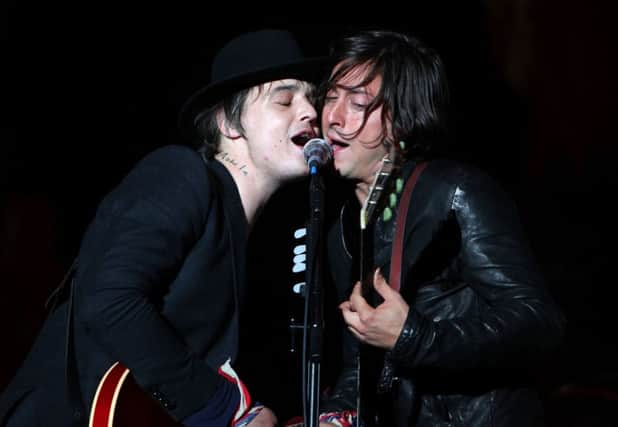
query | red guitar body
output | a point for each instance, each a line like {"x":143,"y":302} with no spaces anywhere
{"x":120,"y":402}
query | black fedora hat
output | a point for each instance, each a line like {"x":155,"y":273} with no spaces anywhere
{"x":249,"y":60}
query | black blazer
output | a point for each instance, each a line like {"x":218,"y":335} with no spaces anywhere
{"x":159,"y":283}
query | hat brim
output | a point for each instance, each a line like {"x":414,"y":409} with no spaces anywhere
{"x":312,"y":70}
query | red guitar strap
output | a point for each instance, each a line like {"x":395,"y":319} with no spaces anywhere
{"x":397,"y":250}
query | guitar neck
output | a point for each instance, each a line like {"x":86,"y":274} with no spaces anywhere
{"x":368,"y":214}
{"x":366,"y":262}
{"x":366,"y":360}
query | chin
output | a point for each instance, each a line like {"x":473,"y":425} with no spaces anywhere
{"x":341,"y":171}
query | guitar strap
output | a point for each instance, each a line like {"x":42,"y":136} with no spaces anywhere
{"x":397,"y":249}
{"x":401,"y":410}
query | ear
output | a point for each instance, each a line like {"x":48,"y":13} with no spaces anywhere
{"x":225,"y":128}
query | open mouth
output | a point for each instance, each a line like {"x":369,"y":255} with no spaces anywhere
{"x":338,"y":145}
{"x":301,"y":138}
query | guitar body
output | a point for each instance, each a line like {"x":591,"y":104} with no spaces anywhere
{"x":120,"y":402}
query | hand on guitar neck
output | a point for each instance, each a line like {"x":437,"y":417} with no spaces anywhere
{"x":379,"y":326}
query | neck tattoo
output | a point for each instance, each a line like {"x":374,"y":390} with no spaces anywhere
{"x":225,"y":157}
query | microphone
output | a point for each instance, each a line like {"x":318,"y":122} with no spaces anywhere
{"x":317,"y":153}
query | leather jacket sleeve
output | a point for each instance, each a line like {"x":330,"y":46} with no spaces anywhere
{"x":513,"y":317}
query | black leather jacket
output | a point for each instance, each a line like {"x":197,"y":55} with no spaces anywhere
{"x":480,"y":317}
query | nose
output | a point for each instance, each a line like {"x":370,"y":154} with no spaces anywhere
{"x":332,"y":114}
{"x":309,"y":113}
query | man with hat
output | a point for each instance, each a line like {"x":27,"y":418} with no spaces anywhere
{"x":155,"y":292}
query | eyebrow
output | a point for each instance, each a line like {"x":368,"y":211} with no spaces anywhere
{"x":292,"y":87}
{"x":362,"y":90}
{"x":282,"y":88}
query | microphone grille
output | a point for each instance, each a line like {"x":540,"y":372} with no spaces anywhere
{"x":319,"y":149}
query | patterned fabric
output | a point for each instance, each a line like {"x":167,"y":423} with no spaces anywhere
{"x":249,"y":416}
{"x":230,"y":405}
{"x":340,"y":419}
{"x":229,"y":374}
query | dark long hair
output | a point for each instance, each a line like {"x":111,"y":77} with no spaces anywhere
{"x":414,"y":92}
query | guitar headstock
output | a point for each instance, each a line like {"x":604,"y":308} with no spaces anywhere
{"x":369,"y":209}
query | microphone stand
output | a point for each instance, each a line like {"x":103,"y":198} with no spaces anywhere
{"x":314,"y":318}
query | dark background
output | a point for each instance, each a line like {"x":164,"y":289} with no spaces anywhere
{"x":89,"y":89}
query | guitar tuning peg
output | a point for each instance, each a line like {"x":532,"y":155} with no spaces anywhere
{"x":399,"y":185}
{"x":392,"y":200}
{"x":387,"y":214}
